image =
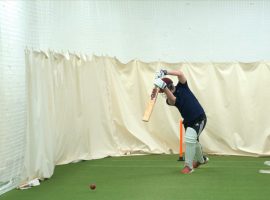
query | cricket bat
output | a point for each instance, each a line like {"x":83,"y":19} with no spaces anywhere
{"x":151,"y":104}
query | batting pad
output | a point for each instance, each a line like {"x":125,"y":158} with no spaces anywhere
{"x":190,"y":140}
{"x":191,"y":136}
{"x":199,"y":153}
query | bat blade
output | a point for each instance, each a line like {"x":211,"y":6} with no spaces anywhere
{"x":151,"y":104}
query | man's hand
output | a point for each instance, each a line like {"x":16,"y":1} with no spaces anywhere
{"x":160,"y":74}
{"x":160,"y":83}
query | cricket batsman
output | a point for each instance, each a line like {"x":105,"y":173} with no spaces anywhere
{"x":194,"y":118}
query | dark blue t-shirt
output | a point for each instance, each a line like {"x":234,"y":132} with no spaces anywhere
{"x":187,"y":103}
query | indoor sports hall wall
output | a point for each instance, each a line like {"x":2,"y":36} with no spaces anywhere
{"x":83,"y":108}
{"x":152,"y":30}
{"x":17,"y":20}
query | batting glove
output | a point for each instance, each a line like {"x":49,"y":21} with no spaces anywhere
{"x":160,"y":83}
{"x":161,"y":73}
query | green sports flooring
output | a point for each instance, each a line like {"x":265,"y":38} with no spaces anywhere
{"x":154,"y":177}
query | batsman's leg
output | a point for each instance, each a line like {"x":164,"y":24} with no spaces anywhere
{"x":199,"y":158}
{"x":199,"y":153}
{"x":190,"y":140}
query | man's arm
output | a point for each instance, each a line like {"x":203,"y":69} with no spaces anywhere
{"x":181,"y":77}
{"x":171,"y":98}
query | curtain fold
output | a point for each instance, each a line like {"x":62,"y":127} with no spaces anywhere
{"x":83,"y":108}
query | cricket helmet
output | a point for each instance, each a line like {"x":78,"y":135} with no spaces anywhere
{"x":169,"y":83}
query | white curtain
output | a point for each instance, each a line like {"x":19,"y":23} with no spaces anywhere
{"x":87,"y":107}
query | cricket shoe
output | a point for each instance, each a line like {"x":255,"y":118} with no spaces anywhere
{"x":196,"y":164}
{"x":187,"y":170}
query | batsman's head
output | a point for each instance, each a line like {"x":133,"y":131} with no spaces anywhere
{"x":169,"y":83}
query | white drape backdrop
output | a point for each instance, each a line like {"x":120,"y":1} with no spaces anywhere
{"x":87,"y":107}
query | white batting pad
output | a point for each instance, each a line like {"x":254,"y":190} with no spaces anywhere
{"x":199,"y":153}
{"x":190,"y":140}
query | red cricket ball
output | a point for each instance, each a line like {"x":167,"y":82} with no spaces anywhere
{"x":92,"y":186}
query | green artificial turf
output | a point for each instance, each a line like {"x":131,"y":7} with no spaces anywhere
{"x":154,"y":177}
